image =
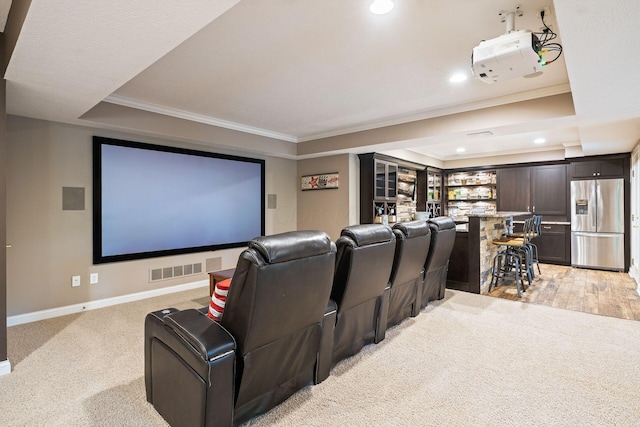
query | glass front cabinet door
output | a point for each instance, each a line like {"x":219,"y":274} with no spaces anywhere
{"x":386,"y":180}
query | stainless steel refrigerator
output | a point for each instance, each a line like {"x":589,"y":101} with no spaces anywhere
{"x":597,"y":224}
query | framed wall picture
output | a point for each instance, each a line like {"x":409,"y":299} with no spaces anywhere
{"x":324,"y":181}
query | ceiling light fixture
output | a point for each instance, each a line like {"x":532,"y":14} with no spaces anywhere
{"x":539,"y":141}
{"x":380,"y":7}
{"x":458,"y":77}
{"x":461,"y":150}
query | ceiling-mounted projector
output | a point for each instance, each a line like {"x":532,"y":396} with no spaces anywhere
{"x":516,"y":54}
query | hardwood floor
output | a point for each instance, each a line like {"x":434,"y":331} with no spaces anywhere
{"x":606,"y":293}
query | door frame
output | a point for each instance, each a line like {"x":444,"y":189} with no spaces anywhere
{"x":634,"y":268}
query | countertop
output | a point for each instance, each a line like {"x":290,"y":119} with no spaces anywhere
{"x":503,"y":214}
{"x":547,"y":222}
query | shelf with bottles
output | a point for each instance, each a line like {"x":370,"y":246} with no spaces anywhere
{"x":434,"y":209}
{"x":474,"y":193}
{"x":434,"y":186}
{"x":384,"y":212}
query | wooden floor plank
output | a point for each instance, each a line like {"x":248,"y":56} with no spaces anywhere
{"x":600,"y":292}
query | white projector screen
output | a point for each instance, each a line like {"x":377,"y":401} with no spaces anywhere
{"x":152,"y":200}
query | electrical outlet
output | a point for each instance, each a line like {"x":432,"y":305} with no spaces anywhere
{"x":93,"y":278}
{"x":75,"y":281}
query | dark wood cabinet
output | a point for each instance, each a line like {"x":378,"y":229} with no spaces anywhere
{"x":389,"y":186}
{"x":386,"y":180}
{"x":538,"y":189}
{"x":606,"y":167}
{"x":549,"y":190}
{"x":554,"y":244}
{"x":514,"y":189}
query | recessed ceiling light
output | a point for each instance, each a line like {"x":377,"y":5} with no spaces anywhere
{"x":380,"y":7}
{"x":539,"y":141}
{"x":458,"y":77}
{"x":461,"y":150}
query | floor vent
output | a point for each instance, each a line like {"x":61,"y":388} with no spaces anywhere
{"x":174,"y":272}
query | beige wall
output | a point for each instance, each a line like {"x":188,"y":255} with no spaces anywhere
{"x":328,"y":210}
{"x":49,"y":245}
{"x":3,"y":168}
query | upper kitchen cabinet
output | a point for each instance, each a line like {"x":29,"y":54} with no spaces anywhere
{"x":386,"y":180}
{"x":538,"y":189}
{"x":514,"y":189}
{"x":549,"y":190}
{"x":603,"y":167}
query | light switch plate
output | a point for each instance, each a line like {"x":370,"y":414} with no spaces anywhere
{"x":75,"y":281}
{"x":93,"y":278}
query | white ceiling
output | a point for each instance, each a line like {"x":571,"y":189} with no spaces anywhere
{"x":322,"y":72}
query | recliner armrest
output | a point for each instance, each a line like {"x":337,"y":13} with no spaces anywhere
{"x":189,"y":367}
{"x":207,"y":337}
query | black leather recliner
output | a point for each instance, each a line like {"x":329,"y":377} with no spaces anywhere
{"x":266,"y":347}
{"x":405,"y":287}
{"x":363,"y":267}
{"x":443,"y":236}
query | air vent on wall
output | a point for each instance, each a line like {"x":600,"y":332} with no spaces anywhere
{"x":175,"y":271}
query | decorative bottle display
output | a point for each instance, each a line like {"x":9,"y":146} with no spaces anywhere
{"x":434,"y":189}
{"x":471,"y":192}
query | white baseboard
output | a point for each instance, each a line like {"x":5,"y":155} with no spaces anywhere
{"x":101,"y":303}
{"x":5,"y":367}
{"x":635,"y":275}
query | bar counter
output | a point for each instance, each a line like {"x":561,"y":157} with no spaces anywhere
{"x":471,"y":260}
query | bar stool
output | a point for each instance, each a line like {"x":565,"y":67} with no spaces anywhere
{"x":516,"y":260}
{"x":530,"y":231}
{"x":510,"y":263}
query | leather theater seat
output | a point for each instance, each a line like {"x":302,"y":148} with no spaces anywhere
{"x":265,"y":348}
{"x":405,"y":286}
{"x":443,"y":236}
{"x":363,"y":267}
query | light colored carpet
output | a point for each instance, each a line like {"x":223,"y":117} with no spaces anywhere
{"x":468,"y":360}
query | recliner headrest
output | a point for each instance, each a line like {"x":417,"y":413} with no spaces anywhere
{"x":442,"y":223}
{"x":368,"y":234}
{"x":413,"y":228}
{"x":291,"y":245}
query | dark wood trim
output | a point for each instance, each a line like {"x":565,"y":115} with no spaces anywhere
{"x":421,"y":191}
{"x":400,"y":162}
{"x":627,"y":212}
{"x":474,"y":255}
{"x":464,"y":264}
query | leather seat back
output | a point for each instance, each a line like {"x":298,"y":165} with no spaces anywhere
{"x":363,"y":267}
{"x":413,"y":240}
{"x":274,"y":310}
{"x":443,"y":236}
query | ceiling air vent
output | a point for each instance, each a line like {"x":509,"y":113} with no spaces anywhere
{"x":481,"y":133}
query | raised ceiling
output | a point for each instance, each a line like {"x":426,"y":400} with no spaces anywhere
{"x":330,"y":76}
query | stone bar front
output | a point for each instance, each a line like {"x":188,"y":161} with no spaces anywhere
{"x":472,"y":257}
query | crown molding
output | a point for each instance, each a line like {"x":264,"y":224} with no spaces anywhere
{"x":194,"y":117}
